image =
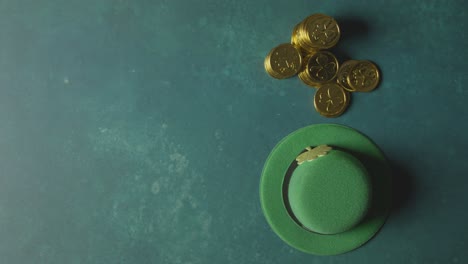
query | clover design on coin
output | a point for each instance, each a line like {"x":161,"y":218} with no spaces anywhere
{"x":287,"y":59}
{"x":283,"y":61}
{"x":331,"y":100}
{"x":364,"y":77}
{"x":325,"y":31}
{"x":286,"y":65}
{"x":324,"y":67}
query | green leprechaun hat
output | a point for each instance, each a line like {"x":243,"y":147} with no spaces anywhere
{"x":326,"y":189}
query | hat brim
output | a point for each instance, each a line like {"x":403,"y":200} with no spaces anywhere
{"x":273,"y":176}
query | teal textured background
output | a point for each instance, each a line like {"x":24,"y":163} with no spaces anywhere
{"x":136,"y":131}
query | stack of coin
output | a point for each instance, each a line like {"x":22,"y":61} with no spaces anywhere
{"x":320,"y":68}
{"x":283,"y":61}
{"x":358,"y":76}
{"x":313,"y":35}
{"x":316,"y":32}
{"x":307,"y":57}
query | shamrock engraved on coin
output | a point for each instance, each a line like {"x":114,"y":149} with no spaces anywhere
{"x":364,"y":77}
{"x":283,"y":61}
{"x":324,"y":30}
{"x":287,"y":59}
{"x":285,"y":65}
{"x":332,"y":99}
{"x":323,"y":68}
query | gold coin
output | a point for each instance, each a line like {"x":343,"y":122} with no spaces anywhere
{"x":295,"y":41}
{"x":300,"y":35}
{"x":364,"y":76}
{"x":269,"y":70}
{"x":321,"y":68}
{"x":323,"y":31}
{"x":294,"y":35}
{"x":283,"y":61}
{"x":331,"y":100}
{"x":304,"y":74}
{"x":343,"y":72}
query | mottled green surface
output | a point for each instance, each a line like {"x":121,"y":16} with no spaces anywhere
{"x":136,"y":131}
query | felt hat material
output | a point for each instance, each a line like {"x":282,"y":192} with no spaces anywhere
{"x":333,"y":203}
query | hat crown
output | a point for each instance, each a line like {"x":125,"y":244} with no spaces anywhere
{"x":330,"y":194}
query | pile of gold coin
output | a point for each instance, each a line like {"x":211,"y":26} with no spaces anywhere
{"x":307,"y":57}
{"x":316,"y":32}
{"x":284,"y":61}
